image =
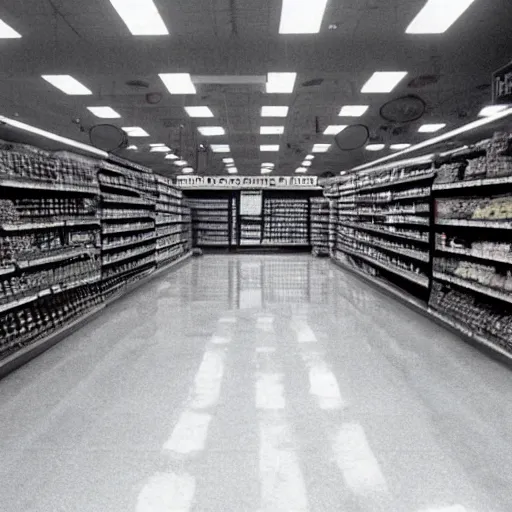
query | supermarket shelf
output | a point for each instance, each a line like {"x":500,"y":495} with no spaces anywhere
{"x":129,"y":217}
{"x":363,"y":227}
{"x":4,"y":271}
{"x":393,"y":200}
{"x":118,"y":186}
{"x":410,"y":276}
{"x":131,"y":269}
{"x":491,"y":224}
{"x":54,"y":289}
{"x":126,"y":229}
{"x":49,"y":186}
{"x":169,"y":222}
{"x":464,"y":283}
{"x":115,"y":199}
{"x":43,"y":260}
{"x":472,"y":254}
{"x":473,"y":183}
{"x":29,"y":226}
{"x":110,"y":247}
{"x":128,"y":256}
{"x":426,"y":222}
{"x":172,"y":244}
{"x":389,"y":184}
{"x":161,"y":235}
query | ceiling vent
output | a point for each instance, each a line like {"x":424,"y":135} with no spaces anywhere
{"x":138,"y":84}
{"x":423,"y":81}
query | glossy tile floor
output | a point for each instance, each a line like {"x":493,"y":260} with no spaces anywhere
{"x":258,"y":384}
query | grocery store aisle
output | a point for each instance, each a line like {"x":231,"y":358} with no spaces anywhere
{"x":262,"y":384}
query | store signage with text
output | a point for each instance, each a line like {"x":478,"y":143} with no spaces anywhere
{"x":502,"y":86}
{"x":246,"y":181}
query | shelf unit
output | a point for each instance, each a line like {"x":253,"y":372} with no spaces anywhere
{"x":319,"y":225}
{"x":49,"y":243}
{"x":380,"y":224}
{"x":472,"y":268}
{"x":128,"y":246}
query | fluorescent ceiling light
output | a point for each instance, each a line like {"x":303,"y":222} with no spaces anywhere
{"x":6,"y":32}
{"x":178,"y":83}
{"x":180,"y":163}
{"x":437,"y":16}
{"x":141,"y":17}
{"x":232,"y":170}
{"x":68,"y":85}
{"x":301,"y":170}
{"x":171,"y":157}
{"x":157,"y":145}
{"x":220,"y":148}
{"x":104,"y":112}
{"x":187,"y":170}
{"x":230,"y":165}
{"x":353,"y":110}
{"x":211,"y":130}
{"x":399,"y":147}
{"x":160,"y":149}
{"x":439,"y":138}
{"x":302,"y":16}
{"x":274,"y":111}
{"x":265,"y":170}
{"x":492,"y":110}
{"x":281,"y":82}
{"x":320,"y":148}
{"x":383,"y":81}
{"x":199,"y":111}
{"x":269,"y":147}
{"x":309,"y":157}
{"x":334,"y":129}
{"x":431,"y":128}
{"x":52,"y":136}
{"x":228,"y":160}
{"x":135,"y":131}
{"x":375,"y":147}
{"x":268,"y":164}
{"x":306,"y":163}
{"x":271,"y":130}
{"x":132,"y":148}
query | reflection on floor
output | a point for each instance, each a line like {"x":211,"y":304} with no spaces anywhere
{"x":261,"y":384}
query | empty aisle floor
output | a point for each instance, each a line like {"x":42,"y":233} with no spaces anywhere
{"x":258,"y":384}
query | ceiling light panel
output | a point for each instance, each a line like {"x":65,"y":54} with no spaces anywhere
{"x":132,"y":148}
{"x":220,"y":148}
{"x":399,"y":147}
{"x":172,"y":157}
{"x":68,"y":85}
{"x":268,"y":164}
{"x":178,"y":83}
{"x":274,"y":111}
{"x":302,"y":16}
{"x":269,"y":147}
{"x":265,"y":170}
{"x":492,"y":110}
{"x":208,"y":131}
{"x":228,"y":160}
{"x":199,"y":111}
{"x":281,"y":82}
{"x":6,"y":32}
{"x":353,"y":110}
{"x":437,"y":16}
{"x":301,"y":170}
{"x":160,"y":149}
{"x":180,"y":163}
{"x":334,"y":129}
{"x":232,"y":170}
{"x":309,"y":157}
{"x":156,"y":144}
{"x":320,"y":148}
{"x":271,"y":130}
{"x":104,"y":112}
{"x":375,"y":147}
{"x":187,"y":170}
{"x":135,"y":131}
{"x":306,"y":163}
{"x":141,"y":17}
{"x":431,"y":128}
{"x":383,"y":81}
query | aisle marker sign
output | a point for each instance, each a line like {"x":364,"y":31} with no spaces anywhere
{"x":260,"y":182}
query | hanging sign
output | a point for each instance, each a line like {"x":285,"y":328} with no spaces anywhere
{"x":502,"y":86}
{"x":260,"y":182}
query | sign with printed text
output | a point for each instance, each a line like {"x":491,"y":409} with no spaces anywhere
{"x":260,"y":182}
{"x":502,"y":86}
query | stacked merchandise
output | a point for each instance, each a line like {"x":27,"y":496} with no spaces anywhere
{"x":286,"y":221}
{"x":49,"y":243}
{"x":173,"y":222}
{"x":128,"y":224}
{"x":319,"y":219}
{"x":234,"y":217}
{"x":211,"y":221}
{"x":383,"y":226}
{"x":250,"y":230}
{"x":472,"y":286}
